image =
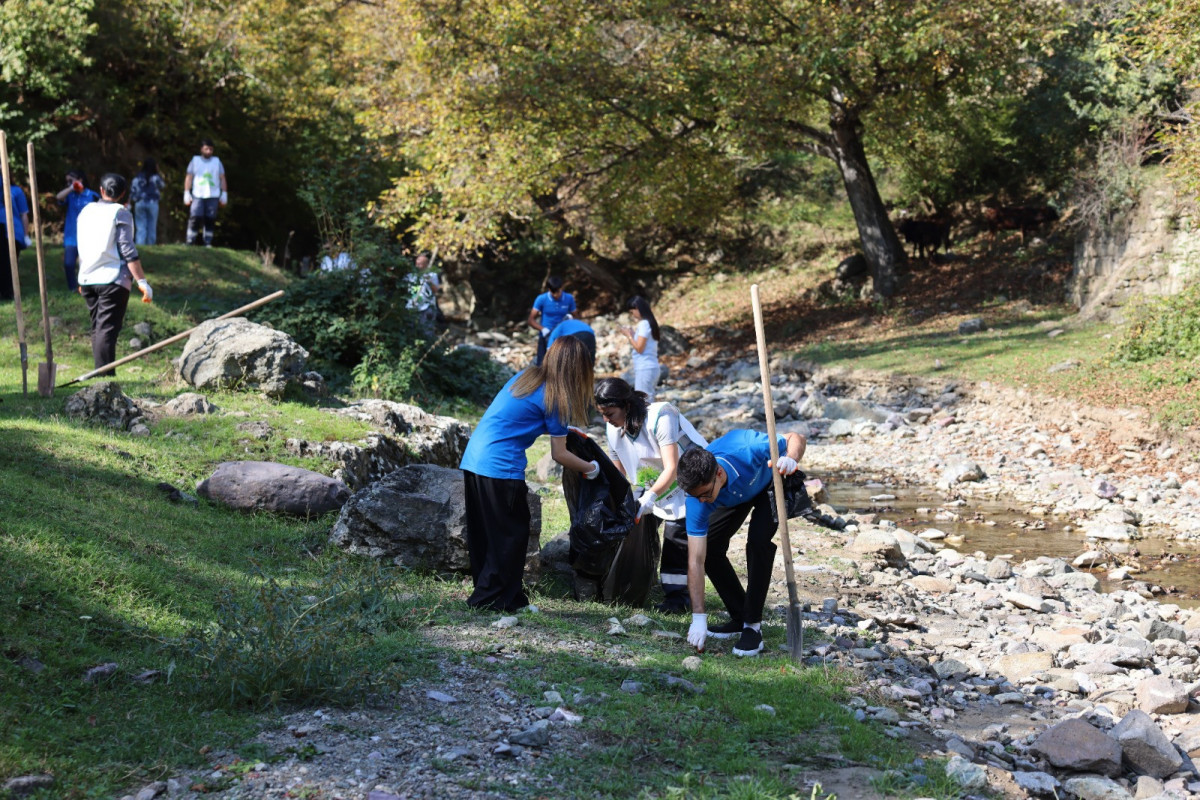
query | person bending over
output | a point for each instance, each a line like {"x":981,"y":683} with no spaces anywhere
{"x":725,"y":483}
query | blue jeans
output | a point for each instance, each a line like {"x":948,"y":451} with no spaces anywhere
{"x":145,"y":218}
{"x":203,"y":214}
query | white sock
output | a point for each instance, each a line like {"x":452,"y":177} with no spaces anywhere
{"x":754,"y":626}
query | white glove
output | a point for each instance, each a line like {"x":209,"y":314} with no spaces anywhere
{"x":28,"y":240}
{"x":545,"y":332}
{"x":698,"y":632}
{"x":224,"y":198}
{"x":786,"y":465}
{"x":187,"y":197}
{"x":147,"y":292}
{"x":648,"y":498}
{"x":593,"y":472}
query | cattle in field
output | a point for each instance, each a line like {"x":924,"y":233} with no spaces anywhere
{"x":1017,"y":218}
{"x":925,"y":235}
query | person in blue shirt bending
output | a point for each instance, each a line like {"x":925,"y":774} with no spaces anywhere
{"x":75,"y":195}
{"x":549,"y":309}
{"x":725,"y":483}
{"x":543,"y":399}
{"x":577,"y":328}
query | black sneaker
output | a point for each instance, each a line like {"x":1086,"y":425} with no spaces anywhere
{"x":726,"y":630}
{"x":750,"y":644}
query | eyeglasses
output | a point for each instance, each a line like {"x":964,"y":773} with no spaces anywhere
{"x":708,"y":495}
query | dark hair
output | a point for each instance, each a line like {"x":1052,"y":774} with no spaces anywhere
{"x":78,"y":175}
{"x":616,"y":392}
{"x":113,"y":185}
{"x":643,"y":308}
{"x":554,"y":283}
{"x":697,"y":467}
{"x":208,"y":142}
{"x":149,"y":166}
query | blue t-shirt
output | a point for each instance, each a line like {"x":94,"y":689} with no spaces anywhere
{"x":745,"y":456}
{"x":553,"y":310}
{"x":508,"y":428}
{"x":19,"y":206}
{"x":75,"y":201}
{"x":568,"y":327}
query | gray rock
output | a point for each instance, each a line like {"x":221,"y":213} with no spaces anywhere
{"x":1095,"y":787}
{"x":538,"y":735}
{"x":1036,"y":782}
{"x":416,"y":517}
{"x":879,"y":544}
{"x":104,"y":403}
{"x":548,"y":469}
{"x":27,"y":784}
{"x":961,"y":470}
{"x":1145,"y":747}
{"x":267,"y":486}
{"x":151,"y":791}
{"x":429,"y":438}
{"x":965,"y":773}
{"x":949,"y":668}
{"x":998,"y":569}
{"x":186,"y":404}
{"x":1156,"y":629}
{"x":239,"y":354}
{"x":852,"y":410}
{"x":1077,"y":746}
{"x":972,"y":325}
{"x":1147,"y":787}
{"x":1161,"y":694}
{"x":99,"y":673}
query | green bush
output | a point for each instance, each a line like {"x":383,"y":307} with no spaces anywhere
{"x":281,"y":643}
{"x":1167,"y":327}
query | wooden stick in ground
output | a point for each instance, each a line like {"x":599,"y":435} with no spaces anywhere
{"x":48,"y":370}
{"x":12,"y":260}
{"x":795,"y":619}
{"x":173,"y":339}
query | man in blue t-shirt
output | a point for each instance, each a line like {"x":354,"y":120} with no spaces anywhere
{"x":20,"y":214}
{"x":577,"y":328}
{"x":548,"y":310}
{"x":75,"y":195}
{"x":726,"y":482}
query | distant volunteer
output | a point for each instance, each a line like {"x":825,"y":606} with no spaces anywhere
{"x":204,"y":190}
{"x":550,"y":308}
{"x":644,"y":435}
{"x":108,"y":266}
{"x":643,"y":337}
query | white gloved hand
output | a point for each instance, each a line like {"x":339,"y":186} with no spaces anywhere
{"x":786,"y":465}
{"x":28,"y":240}
{"x":147,"y":292}
{"x":648,"y":498}
{"x":593,"y":472}
{"x":545,"y":332}
{"x":224,"y":198}
{"x":187,"y":197}
{"x":698,"y":632}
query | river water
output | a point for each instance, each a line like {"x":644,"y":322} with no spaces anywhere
{"x":997,"y":529}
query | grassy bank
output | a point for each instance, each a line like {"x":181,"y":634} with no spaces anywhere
{"x":214,"y":618}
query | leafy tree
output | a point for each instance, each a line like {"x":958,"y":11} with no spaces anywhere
{"x":654,"y":110}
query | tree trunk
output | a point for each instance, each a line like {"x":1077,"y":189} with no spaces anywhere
{"x":881,"y":246}
{"x":602,"y":271}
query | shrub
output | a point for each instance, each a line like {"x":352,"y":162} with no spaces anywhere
{"x":286,"y":643}
{"x":1166,"y":327}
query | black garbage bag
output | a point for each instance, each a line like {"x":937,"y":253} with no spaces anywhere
{"x":602,"y":510}
{"x":799,"y":504}
{"x":634,"y":569}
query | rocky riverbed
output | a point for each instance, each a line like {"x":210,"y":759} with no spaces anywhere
{"x":1031,"y":680}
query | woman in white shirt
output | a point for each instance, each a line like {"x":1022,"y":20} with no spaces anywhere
{"x":643,"y":435}
{"x":644,"y":338}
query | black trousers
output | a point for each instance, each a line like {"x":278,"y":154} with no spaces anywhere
{"x":541,"y":351}
{"x":497,"y":539}
{"x":6,"y":286}
{"x":746,"y":604}
{"x":106,"y":304}
{"x":673,"y":563}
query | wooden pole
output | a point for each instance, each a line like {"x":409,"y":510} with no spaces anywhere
{"x":46,"y":372}
{"x":795,"y":619}
{"x":173,"y":339}
{"x":12,"y":260}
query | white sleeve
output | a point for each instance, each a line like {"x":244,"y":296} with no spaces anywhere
{"x":643,"y":329}
{"x":666,"y":427}
{"x":191,"y":170}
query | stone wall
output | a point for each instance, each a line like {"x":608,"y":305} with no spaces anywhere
{"x":1154,"y":250}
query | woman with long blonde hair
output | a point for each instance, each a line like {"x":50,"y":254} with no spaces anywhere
{"x":543,"y":399}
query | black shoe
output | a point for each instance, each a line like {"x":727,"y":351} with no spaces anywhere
{"x":674,"y":605}
{"x":726,"y":630}
{"x":750,"y":644}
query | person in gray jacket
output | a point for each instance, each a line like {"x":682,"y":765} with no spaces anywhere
{"x":108,"y":266}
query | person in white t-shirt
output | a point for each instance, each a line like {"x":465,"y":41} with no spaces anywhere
{"x":204,"y":190}
{"x":644,"y":338}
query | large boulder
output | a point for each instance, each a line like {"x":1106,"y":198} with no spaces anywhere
{"x":407,"y":435}
{"x":239,"y":354}
{"x":104,"y":403}
{"x":416,"y":517}
{"x":267,"y":486}
{"x":1077,"y":746}
{"x":1145,"y":747}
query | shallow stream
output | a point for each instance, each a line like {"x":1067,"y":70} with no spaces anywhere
{"x":996,"y":529}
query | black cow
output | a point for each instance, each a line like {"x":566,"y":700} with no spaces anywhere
{"x":925,"y":234}
{"x":1017,"y":218}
